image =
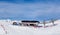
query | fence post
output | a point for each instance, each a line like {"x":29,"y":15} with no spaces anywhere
{"x":52,"y":21}
{"x":44,"y":23}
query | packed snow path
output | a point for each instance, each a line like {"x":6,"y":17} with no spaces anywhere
{"x":21,"y":30}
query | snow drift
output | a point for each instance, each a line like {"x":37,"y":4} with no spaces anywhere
{"x":21,"y":30}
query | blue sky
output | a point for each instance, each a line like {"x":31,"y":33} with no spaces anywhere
{"x":30,"y":1}
{"x":29,"y":10}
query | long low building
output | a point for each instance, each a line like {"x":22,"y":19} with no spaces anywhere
{"x":29,"y":23}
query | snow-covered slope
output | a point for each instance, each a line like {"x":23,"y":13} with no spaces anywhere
{"x":6,"y":28}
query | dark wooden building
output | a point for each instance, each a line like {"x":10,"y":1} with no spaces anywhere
{"x":29,"y":23}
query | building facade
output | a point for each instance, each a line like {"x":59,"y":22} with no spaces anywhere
{"x":29,"y":23}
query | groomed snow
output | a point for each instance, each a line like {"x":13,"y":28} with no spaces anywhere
{"x":21,"y":30}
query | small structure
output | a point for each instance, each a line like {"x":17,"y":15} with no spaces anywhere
{"x":29,"y":23}
{"x":15,"y":23}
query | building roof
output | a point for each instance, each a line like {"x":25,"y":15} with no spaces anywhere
{"x":32,"y":21}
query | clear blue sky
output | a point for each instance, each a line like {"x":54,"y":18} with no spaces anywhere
{"x":30,"y":1}
{"x":29,"y":9}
